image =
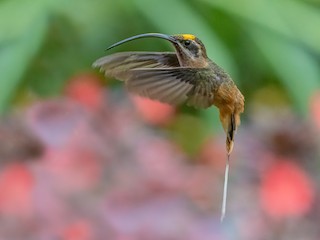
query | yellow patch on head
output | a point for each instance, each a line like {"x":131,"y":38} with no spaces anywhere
{"x":188,"y":37}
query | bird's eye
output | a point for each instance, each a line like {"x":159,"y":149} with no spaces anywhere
{"x":187,"y":43}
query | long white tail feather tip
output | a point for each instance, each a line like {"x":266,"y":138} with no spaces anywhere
{"x":225,"y":191}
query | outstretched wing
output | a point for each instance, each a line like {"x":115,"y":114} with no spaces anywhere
{"x":174,"y":85}
{"x":159,"y":76}
{"x":118,"y":65}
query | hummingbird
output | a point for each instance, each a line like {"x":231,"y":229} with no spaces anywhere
{"x":186,"y":75}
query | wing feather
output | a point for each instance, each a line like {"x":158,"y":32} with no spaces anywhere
{"x":159,"y":76}
{"x":174,"y":85}
{"x":117,"y":65}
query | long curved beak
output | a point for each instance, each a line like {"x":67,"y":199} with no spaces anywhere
{"x":145,"y":35}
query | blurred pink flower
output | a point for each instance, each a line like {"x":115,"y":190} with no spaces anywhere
{"x":153,"y":218}
{"x":78,"y":230}
{"x":73,"y":168}
{"x":200,"y":186}
{"x":55,"y":121}
{"x":87,"y":90}
{"x":161,"y":163}
{"x":286,"y":190}
{"x":153,"y":112}
{"x":16,"y":190}
{"x":213,"y":153}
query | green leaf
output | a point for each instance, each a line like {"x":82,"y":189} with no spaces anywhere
{"x":94,"y":21}
{"x":303,"y":20}
{"x":19,"y":42}
{"x":72,"y":44}
{"x":298,"y":70}
{"x":290,"y":18}
{"x":57,"y":60}
{"x":260,"y":12}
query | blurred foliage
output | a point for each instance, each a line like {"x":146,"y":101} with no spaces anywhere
{"x":260,"y":42}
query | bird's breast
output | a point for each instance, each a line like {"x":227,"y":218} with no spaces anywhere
{"x":227,"y":97}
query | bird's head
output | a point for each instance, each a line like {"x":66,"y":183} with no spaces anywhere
{"x":190,"y":50}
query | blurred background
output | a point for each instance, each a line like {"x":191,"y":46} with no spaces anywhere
{"x":82,"y":159}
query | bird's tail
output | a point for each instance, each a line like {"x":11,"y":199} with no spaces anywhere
{"x":230,"y":123}
{"x":232,"y":127}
